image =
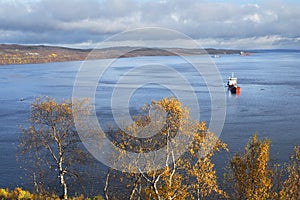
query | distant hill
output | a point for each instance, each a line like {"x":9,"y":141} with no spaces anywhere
{"x":23,"y":54}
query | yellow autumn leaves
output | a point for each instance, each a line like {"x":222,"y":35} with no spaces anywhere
{"x":253,"y":177}
{"x":189,"y":176}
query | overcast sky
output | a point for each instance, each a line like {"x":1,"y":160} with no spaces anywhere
{"x":216,"y":23}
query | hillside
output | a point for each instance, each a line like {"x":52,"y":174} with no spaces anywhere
{"x":21,"y":54}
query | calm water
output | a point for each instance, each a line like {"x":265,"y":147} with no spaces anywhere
{"x":268,"y":103}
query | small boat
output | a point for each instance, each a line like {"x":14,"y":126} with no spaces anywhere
{"x":242,"y":53}
{"x":216,"y":56}
{"x":232,"y":84}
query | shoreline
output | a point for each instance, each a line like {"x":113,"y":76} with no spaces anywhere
{"x":23,"y":54}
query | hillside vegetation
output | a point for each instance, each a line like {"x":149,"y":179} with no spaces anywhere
{"x":21,"y":54}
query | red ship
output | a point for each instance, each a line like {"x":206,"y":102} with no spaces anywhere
{"x":232,"y":84}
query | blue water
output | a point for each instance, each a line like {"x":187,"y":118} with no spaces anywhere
{"x":267,"y":104}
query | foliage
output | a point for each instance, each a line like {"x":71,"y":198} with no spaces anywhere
{"x":17,"y":193}
{"x":51,"y":149}
{"x":291,"y":186}
{"x":95,"y":198}
{"x":249,"y":174}
{"x":50,"y":146}
{"x":190,"y":176}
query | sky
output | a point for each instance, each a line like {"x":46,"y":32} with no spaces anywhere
{"x":255,"y":24}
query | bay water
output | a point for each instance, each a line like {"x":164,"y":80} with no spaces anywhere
{"x":267,"y":105}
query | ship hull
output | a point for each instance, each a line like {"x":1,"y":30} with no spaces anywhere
{"x":234,"y":89}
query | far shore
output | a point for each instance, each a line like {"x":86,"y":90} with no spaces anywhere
{"x":23,"y":54}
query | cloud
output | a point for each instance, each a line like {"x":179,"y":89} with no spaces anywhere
{"x":268,"y":23}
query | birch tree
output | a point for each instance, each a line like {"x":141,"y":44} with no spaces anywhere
{"x":190,"y":176}
{"x":291,"y":186}
{"x":50,"y":145}
{"x":250,"y":174}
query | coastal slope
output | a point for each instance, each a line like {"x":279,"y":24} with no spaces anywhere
{"x":24,"y":54}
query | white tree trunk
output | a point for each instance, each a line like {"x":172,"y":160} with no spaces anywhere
{"x":62,"y":179}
